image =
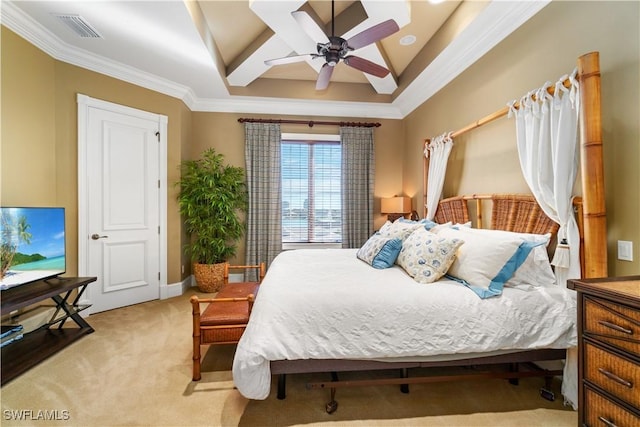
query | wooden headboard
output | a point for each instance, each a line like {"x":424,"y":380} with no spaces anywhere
{"x":511,"y":212}
{"x":521,"y":212}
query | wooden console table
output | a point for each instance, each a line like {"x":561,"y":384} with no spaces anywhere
{"x":48,"y":339}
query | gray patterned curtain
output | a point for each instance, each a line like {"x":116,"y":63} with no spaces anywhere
{"x":357,"y":185}
{"x":264,"y":216}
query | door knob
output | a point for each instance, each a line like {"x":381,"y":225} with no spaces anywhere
{"x":96,"y":236}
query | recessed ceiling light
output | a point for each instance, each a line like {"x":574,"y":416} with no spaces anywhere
{"x":435,"y":1}
{"x":407,"y":40}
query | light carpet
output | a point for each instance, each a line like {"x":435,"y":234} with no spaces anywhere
{"x":135,"y":370}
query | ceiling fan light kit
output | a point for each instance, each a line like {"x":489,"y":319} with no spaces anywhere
{"x":333,"y":48}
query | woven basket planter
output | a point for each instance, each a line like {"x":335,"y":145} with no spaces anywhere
{"x":209,"y":277}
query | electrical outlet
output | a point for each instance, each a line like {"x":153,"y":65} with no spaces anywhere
{"x":625,"y":250}
{"x":183,"y":269}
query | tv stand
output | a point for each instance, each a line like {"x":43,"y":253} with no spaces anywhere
{"x":20,"y":356}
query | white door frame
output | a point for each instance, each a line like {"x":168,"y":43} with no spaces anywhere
{"x":84,"y":103}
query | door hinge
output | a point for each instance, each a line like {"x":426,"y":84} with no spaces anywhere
{"x":158,"y":183}
{"x":158,"y":135}
{"x":158,"y":229}
{"x":158,"y":275}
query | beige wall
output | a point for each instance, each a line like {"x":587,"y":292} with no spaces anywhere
{"x":28,"y":125}
{"x":39,"y":135}
{"x":545,"y":48}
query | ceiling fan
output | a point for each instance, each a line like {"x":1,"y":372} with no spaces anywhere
{"x":333,"y":48}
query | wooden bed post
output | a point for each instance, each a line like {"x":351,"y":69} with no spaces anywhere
{"x":592,"y":170}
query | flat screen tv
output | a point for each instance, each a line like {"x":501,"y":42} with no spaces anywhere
{"x":32,"y":246}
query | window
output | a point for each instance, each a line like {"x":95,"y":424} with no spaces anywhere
{"x":311,"y":186}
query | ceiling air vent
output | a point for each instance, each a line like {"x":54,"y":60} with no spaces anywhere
{"x":78,"y":25}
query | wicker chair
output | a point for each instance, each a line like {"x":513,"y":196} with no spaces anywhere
{"x":224,"y":320}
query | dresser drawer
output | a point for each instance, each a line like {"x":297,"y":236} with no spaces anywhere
{"x":612,"y":323}
{"x":612,"y":373}
{"x":602,"y":412}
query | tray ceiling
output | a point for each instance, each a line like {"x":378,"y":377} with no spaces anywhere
{"x":211,"y":54}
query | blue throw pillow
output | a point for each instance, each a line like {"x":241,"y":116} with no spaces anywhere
{"x":380,"y":251}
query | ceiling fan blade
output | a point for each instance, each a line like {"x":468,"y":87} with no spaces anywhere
{"x":310,"y":27}
{"x":366,"y":66}
{"x":373,"y":34}
{"x":288,"y":59}
{"x":324,"y":76}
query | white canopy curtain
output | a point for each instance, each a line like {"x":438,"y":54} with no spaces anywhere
{"x":546,"y":129}
{"x":437,"y":151}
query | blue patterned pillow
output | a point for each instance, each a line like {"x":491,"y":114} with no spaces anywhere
{"x":428,"y":224}
{"x":399,"y":229}
{"x":380,"y":251}
{"x":426,"y":257}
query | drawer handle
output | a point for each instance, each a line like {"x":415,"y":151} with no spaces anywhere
{"x":615,"y":378}
{"x":606,"y":422}
{"x":616,"y":327}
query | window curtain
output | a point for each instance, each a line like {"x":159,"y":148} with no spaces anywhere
{"x":357,"y":185}
{"x":264,"y":215}
{"x":546,"y":128}
{"x":437,"y":152}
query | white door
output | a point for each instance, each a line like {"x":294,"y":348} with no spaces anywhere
{"x":121,"y":232}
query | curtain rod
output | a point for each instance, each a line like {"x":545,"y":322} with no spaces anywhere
{"x":310,"y":123}
{"x":496,"y":115}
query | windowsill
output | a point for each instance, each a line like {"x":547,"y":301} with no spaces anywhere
{"x":289,"y":246}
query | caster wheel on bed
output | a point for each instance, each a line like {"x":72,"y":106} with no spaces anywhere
{"x":547,"y":394}
{"x":331,"y":407}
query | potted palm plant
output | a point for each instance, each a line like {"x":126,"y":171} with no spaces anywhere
{"x":212,"y":196}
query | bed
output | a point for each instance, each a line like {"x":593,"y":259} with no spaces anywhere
{"x":328,"y":311}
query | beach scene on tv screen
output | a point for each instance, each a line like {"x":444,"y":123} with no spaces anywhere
{"x":32,"y":246}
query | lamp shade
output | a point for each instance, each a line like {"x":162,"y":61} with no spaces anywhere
{"x":398,"y":204}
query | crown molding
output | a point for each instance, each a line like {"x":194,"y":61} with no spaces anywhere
{"x":297,"y":107}
{"x":493,"y":24}
{"x":26,"y":27}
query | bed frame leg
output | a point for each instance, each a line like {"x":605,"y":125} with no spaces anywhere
{"x":546,"y":392}
{"x":332,"y":406}
{"x":404,"y":373}
{"x":282,"y":386}
{"x":513,"y":367}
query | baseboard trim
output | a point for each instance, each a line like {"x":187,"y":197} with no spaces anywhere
{"x":176,"y":289}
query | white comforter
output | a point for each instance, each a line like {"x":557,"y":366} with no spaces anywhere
{"x":327,"y":304}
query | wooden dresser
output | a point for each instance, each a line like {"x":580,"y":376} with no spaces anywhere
{"x":609,"y":351}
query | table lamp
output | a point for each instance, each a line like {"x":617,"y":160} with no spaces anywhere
{"x":395,"y":207}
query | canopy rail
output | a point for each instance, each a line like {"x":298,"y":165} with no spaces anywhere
{"x":592,"y":218}
{"x":480,"y":122}
{"x":311,"y":123}
{"x":498,"y":114}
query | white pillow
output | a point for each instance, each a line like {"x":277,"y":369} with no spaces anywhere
{"x":426,"y":256}
{"x":536,"y":269}
{"x":487,"y":260}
